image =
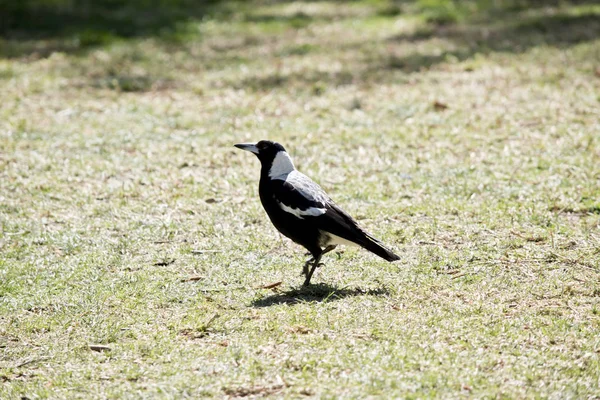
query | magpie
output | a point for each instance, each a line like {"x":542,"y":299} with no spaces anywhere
{"x":303,"y":212}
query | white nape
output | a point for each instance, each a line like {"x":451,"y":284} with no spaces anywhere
{"x":282,"y":165}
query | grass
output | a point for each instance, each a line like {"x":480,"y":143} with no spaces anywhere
{"x":134,"y":246}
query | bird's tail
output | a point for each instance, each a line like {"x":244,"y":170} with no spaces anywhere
{"x":375,"y":246}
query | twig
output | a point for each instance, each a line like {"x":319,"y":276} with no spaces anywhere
{"x":528,"y":238}
{"x":200,"y":251}
{"x":164,"y":263}
{"x":191,"y":279}
{"x":576,"y":262}
{"x":99,"y":347}
{"x":225,"y":289}
{"x":210,"y":320}
{"x":30,"y":361}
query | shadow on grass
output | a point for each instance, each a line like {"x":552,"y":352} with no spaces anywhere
{"x":42,"y":27}
{"x":38,"y":28}
{"x":314,"y":294}
{"x":506,"y":29}
{"x":510,"y":36}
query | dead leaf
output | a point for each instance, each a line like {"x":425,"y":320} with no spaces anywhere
{"x":192,"y":279}
{"x":439,"y":106}
{"x":193,"y":333}
{"x":99,"y":347}
{"x":270,"y":285}
{"x":300,"y":329}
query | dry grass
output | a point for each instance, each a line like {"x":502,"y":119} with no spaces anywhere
{"x":134,"y":247}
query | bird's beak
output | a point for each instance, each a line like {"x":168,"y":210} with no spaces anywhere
{"x":251,"y":147}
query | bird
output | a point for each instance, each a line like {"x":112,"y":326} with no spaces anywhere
{"x":301,"y":210}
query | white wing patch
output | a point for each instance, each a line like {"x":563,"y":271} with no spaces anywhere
{"x":309,"y":212}
{"x":283,"y":170}
{"x":305,"y":186}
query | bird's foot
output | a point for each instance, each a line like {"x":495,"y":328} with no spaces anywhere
{"x":305,"y":267}
{"x":308,"y":274}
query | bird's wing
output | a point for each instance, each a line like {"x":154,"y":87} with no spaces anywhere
{"x":297,"y":194}
{"x":340,"y":223}
{"x":300,"y":196}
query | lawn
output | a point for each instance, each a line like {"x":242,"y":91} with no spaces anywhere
{"x":136,"y":258}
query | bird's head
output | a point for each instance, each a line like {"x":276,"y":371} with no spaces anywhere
{"x":273,"y":157}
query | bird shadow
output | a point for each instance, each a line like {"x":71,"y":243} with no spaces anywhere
{"x":315,"y":294}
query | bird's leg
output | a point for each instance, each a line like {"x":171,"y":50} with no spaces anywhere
{"x":329,"y":248}
{"x":312,"y":270}
{"x":316,"y":263}
{"x":305,"y":267}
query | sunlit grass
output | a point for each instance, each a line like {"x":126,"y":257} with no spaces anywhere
{"x":130,"y":224}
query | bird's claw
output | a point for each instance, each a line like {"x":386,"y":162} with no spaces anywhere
{"x":305,"y":267}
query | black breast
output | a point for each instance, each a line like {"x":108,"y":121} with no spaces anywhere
{"x":301,"y":230}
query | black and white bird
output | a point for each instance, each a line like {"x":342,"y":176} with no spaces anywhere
{"x":302,"y":211}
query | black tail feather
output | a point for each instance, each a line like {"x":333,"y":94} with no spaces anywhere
{"x":337,"y":222}
{"x":376,"y":247}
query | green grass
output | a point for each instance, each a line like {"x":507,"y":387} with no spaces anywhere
{"x":464,"y":135}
